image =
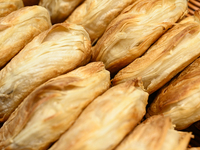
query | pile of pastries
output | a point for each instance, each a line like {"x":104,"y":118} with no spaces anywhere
{"x":98,"y":74}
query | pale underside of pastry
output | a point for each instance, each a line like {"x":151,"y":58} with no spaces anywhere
{"x":95,"y":15}
{"x":130,"y":34}
{"x":8,"y":6}
{"x":60,"y":9}
{"x":30,"y":2}
{"x":169,"y":55}
{"x":107,"y":120}
{"x":58,"y":50}
{"x":19,"y":28}
{"x":52,"y":108}
{"x":180,"y":99}
{"x":155,"y":133}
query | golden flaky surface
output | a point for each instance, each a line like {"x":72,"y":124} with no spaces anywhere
{"x":155,"y":133}
{"x":58,"y":50}
{"x":95,"y":15}
{"x":180,"y":99}
{"x":131,"y":33}
{"x":169,"y":55}
{"x":52,"y":108}
{"x":19,"y":27}
{"x":107,"y":120}
{"x":8,"y":6}
{"x":60,"y":9}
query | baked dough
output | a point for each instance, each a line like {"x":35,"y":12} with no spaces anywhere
{"x":95,"y":15}
{"x":180,"y":98}
{"x":58,"y":50}
{"x":8,"y":6}
{"x":156,"y":133}
{"x":53,"y":107}
{"x":60,"y":9}
{"x":172,"y":53}
{"x":107,"y":120}
{"x":135,"y":30}
{"x":19,"y":28}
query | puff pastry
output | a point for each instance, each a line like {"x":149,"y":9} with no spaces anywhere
{"x":8,"y":6}
{"x":60,"y":9}
{"x":58,"y":50}
{"x":134,"y":30}
{"x":52,"y":108}
{"x":95,"y":15}
{"x":172,"y":53}
{"x":19,"y":28}
{"x":107,"y":120}
{"x":180,"y":99}
{"x":156,"y":133}
{"x":30,"y":2}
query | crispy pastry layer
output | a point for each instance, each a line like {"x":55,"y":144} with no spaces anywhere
{"x":169,"y":55}
{"x":58,"y":50}
{"x":19,"y":28}
{"x":95,"y":15}
{"x":8,"y":6}
{"x":107,"y":120}
{"x":135,"y":29}
{"x":180,"y":99}
{"x":52,"y":108}
{"x":155,"y":133}
{"x":60,"y":9}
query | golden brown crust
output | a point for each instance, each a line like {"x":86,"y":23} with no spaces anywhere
{"x":92,"y":77}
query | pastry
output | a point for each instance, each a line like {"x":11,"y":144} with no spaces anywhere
{"x":175,"y":50}
{"x":58,"y":50}
{"x":95,"y":15}
{"x":130,"y":34}
{"x":52,"y":108}
{"x":180,"y":99}
{"x":19,"y":27}
{"x":60,"y":9}
{"x":8,"y":6}
{"x":107,"y":120}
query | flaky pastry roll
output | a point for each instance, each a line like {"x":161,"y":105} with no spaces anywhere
{"x":60,"y":9}
{"x":194,"y":148}
{"x":19,"y":28}
{"x":180,"y":99}
{"x":169,"y":55}
{"x":107,"y":120}
{"x":95,"y":15}
{"x":58,"y":50}
{"x":135,"y":29}
{"x":52,"y":108}
{"x":155,"y":133}
{"x":8,"y":6}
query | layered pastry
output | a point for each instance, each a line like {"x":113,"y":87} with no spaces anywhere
{"x":95,"y":15}
{"x":175,"y":50}
{"x":139,"y":25}
{"x":19,"y":28}
{"x":180,"y":98}
{"x":52,"y":108}
{"x":156,"y":133}
{"x":60,"y":9}
{"x":58,"y":50}
{"x":107,"y":120}
{"x":8,"y":6}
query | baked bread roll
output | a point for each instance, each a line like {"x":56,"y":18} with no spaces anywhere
{"x":95,"y":15}
{"x":169,"y":55}
{"x":19,"y":28}
{"x":52,"y":108}
{"x":30,"y":2}
{"x":107,"y":120}
{"x":155,"y":133}
{"x":60,"y":9}
{"x":8,"y":6}
{"x":58,"y":50}
{"x":135,"y":29}
{"x":180,"y":99}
